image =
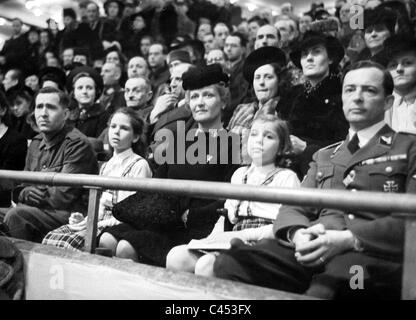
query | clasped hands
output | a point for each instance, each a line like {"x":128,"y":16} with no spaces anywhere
{"x":315,"y":245}
{"x":34,"y":195}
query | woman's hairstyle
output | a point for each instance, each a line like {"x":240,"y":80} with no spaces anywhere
{"x":86,"y":75}
{"x":284,"y":78}
{"x":138,"y":126}
{"x":285,"y":151}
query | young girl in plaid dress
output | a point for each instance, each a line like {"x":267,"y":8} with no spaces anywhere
{"x":124,"y":134}
{"x":268,"y":146}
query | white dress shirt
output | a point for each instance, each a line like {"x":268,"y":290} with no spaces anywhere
{"x":402,"y":116}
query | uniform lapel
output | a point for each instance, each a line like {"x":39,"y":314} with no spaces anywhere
{"x":341,"y":155}
{"x":376,"y":147}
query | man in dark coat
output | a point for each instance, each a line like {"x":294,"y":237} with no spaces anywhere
{"x":317,"y":248}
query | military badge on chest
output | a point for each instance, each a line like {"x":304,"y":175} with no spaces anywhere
{"x":391,"y":186}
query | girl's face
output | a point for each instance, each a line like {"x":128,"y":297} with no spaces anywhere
{"x":20,"y":107}
{"x":263,"y":143}
{"x":44,"y":38}
{"x":84,"y":91}
{"x":120,"y":132}
{"x":112,"y":57}
{"x":265,"y":83}
{"x":205,"y":104}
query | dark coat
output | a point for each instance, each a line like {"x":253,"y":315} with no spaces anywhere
{"x":317,"y":117}
{"x":13,"y":148}
{"x":93,"y":121}
{"x":379,"y":233}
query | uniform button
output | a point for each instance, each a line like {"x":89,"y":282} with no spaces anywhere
{"x":351,"y":217}
{"x":389,"y":169}
{"x":353,"y":190}
{"x":43,"y":167}
{"x":319,"y":174}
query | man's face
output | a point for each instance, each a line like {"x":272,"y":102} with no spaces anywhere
{"x":67,"y":56}
{"x":67,"y":21}
{"x":92,"y":12}
{"x":233,"y":48}
{"x":266,"y":37}
{"x":203,"y":30}
{"x":136,"y":93}
{"x":138,"y":23}
{"x":17,"y":27}
{"x":8,"y":81}
{"x":145,"y":44}
{"x":112,"y":9}
{"x":50,"y":116}
{"x":403,"y":71}
{"x":221,"y":32}
{"x":304,"y":23}
{"x":81,"y":59}
{"x":363,"y":97}
{"x":252,"y":29}
{"x":375,"y":36}
{"x":110,"y":74}
{"x":137,"y":67}
{"x":216,"y":56}
{"x":156,"y":57}
{"x":176,"y":80}
{"x":209,"y":43}
{"x":32,"y":82}
{"x":284,"y":30}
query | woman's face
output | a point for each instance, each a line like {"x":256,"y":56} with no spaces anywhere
{"x":315,"y":62}
{"x":20,"y":107}
{"x":120,"y":132}
{"x":265,"y":83}
{"x":112,"y":57}
{"x":32,"y":82}
{"x":375,"y":36}
{"x":44,"y":38}
{"x":138,"y":23}
{"x":84,"y":91}
{"x":206,"y":104}
{"x":263,"y":143}
{"x":112,"y":10}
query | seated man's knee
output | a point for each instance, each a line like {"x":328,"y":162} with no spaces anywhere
{"x":205,"y":265}
{"x":109,"y":242}
{"x":179,"y":258}
{"x":126,"y":251}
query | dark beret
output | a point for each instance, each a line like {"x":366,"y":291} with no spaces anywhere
{"x":395,"y":45}
{"x":380,"y":15}
{"x":69,"y":12}
{"x":181,"y":55}
{"x":91,"y":72}
{"x":333,"y":47}
{"x":19,"y":91}
{"x":197,"y":78}
{"x":53,"y":74}
{"x":261,"y":57}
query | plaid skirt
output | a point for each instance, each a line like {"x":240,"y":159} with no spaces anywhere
{"x":248,"y":222}
{"x":64,"y":237}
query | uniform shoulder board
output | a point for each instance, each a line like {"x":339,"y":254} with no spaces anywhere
{"x":332,"y":146}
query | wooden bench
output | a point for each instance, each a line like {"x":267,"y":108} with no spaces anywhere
{"x":52,"y":273}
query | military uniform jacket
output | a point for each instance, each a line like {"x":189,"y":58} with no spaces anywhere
{"x":387,"y":163}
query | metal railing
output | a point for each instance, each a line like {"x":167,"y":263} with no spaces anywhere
{"x":401,"y":205}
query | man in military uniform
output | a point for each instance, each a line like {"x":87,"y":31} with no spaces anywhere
{"x":316,"y":248}
{"x":58,"y":148}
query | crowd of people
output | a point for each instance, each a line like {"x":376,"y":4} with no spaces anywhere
{"x":148,"y":89}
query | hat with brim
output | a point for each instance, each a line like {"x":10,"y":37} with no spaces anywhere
{"x":88,"y":71}
{"x":197,"y":78}
{"x":380,"y":16}
{"x":54,"y":74}
{"x":19,"y":91}
{"x":261,"y":57}
{"x":332,"y":45}
{"x":395,"y":45}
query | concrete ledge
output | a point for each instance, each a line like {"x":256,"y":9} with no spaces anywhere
{"x":52,"y":273}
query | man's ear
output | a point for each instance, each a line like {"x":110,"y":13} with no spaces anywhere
{"x":389,"y":102}
{"x":66,"y":113}
{"x":149,"y":95}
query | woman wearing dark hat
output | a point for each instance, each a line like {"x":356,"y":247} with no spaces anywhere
{"x":86,"y":86}
{"x":13,"y":147}
{"x":265,"y":69}
{"x":207,"y":95}
{"x":399,"y":56}
{"x":316,"y":117}
{"x":21,"y":106}
{"x":379,"y":24}
{"x":52,"y":77}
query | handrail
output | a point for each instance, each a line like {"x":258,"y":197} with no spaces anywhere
{"x":337,"y":199}
{"x":402,"y":205}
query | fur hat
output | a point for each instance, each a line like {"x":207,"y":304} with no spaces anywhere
{"x":69,"y":12}
{"x":201,"y":77}
{"x":333,"y":46}
{"x":261,"y":57}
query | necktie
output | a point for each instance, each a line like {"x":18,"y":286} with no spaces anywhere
{"x":353,"y":145}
